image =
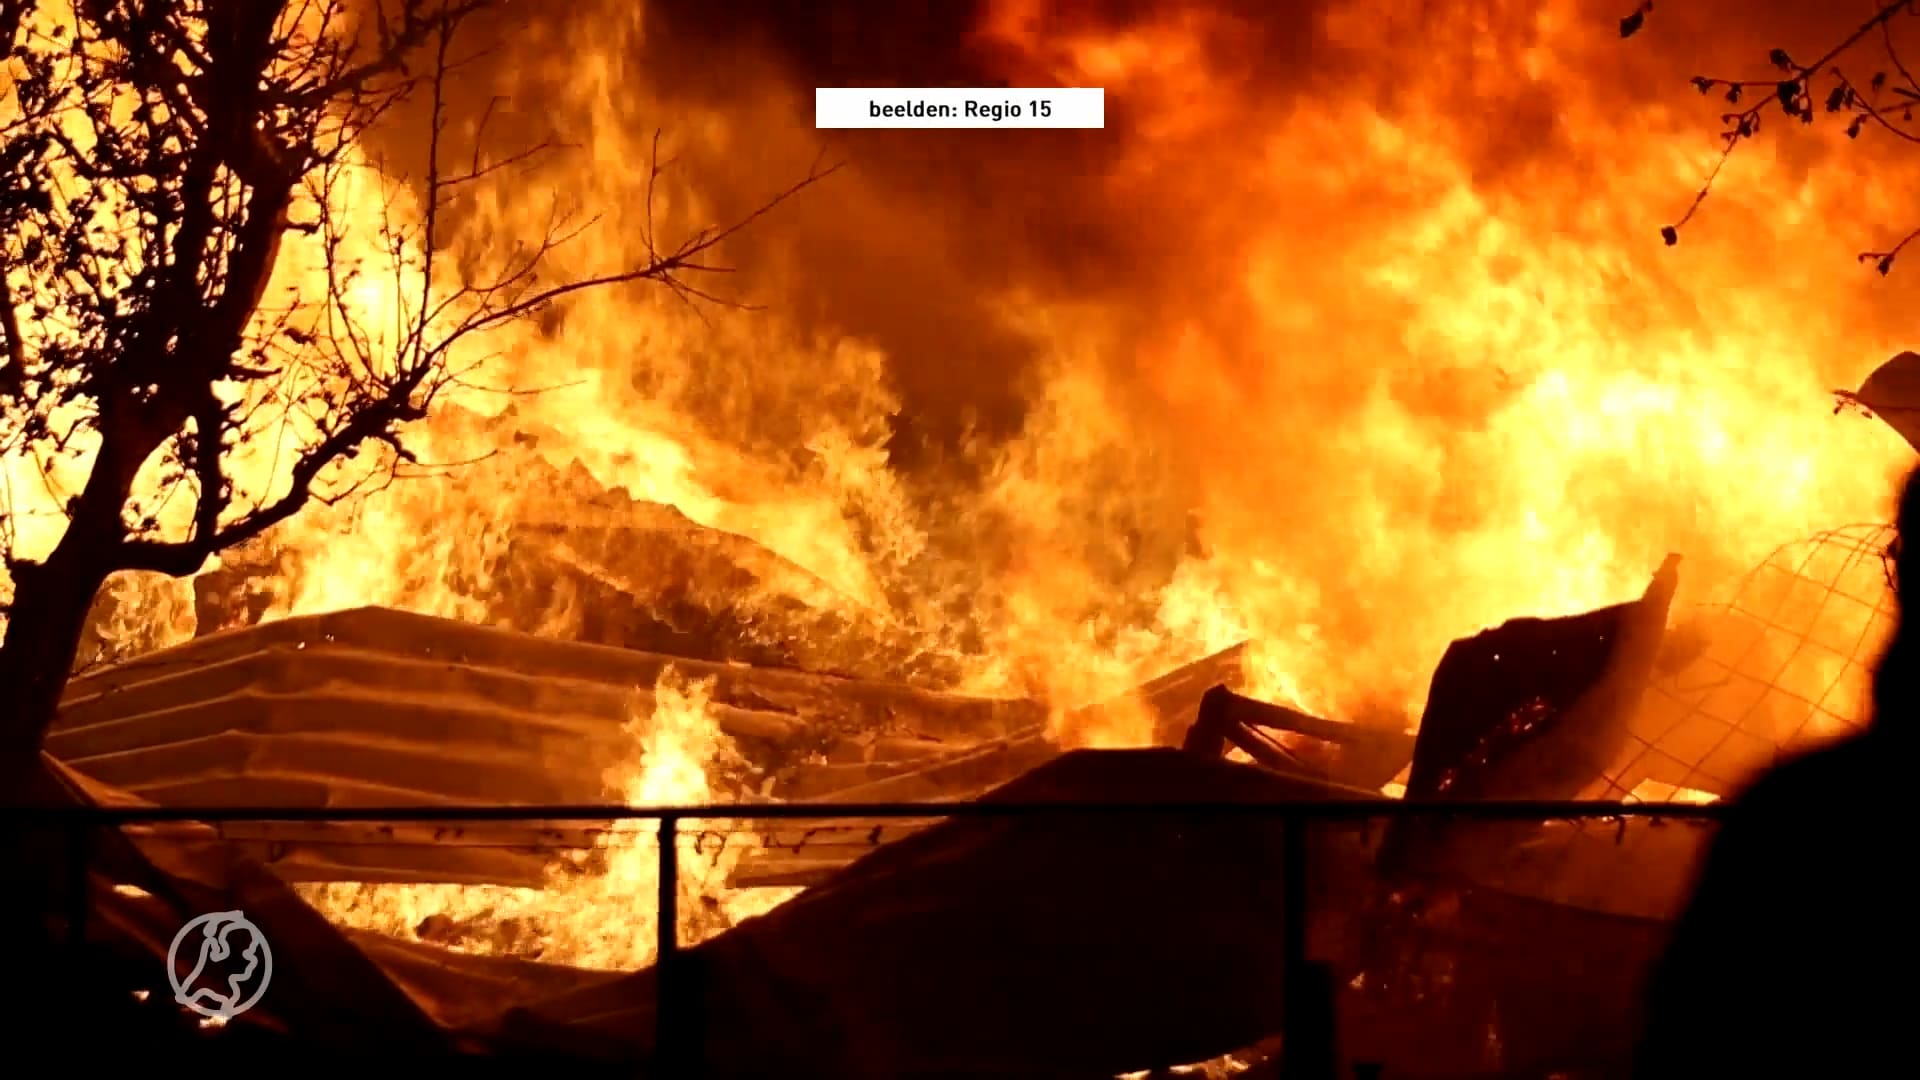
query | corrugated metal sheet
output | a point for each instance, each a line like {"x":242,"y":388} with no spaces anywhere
{"x":374,"y":707}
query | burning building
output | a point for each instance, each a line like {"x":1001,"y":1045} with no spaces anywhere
{"x":1503,"y":946}
{"x":1350,"y":338}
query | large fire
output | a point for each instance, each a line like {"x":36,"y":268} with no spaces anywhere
{"x":1359,"y":360}
{"x":598,"y":911}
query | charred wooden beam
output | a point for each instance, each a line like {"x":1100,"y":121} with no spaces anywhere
{"x":1538,"y":708}
{"x":1215,"y":732}
{"x":1370,"y":756}
{"x":1531,"y":709}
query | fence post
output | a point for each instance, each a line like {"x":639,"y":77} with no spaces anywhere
{"x":1293,"y":898}
{"x":79,"y":849}
{"x":673,"y":1036}
{"x":1306,"y":1009}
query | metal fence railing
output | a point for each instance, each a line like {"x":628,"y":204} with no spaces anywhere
{"x":1481,"y":843}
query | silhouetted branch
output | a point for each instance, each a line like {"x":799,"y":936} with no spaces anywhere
{"x":1795,"y":94}
{"x":1883,"y":260}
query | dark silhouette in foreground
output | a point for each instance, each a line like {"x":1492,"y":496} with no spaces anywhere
{"x":1794,"y":954}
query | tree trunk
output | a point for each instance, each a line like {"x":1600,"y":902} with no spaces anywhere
{"x":50,"y":604}
{"x":42,"y":635}
{"x":51,"y":599}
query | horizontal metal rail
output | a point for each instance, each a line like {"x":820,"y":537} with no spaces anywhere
{"x":679,"y":1036}
{"x":1327,"y":810}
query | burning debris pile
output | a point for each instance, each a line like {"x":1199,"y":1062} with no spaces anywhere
{"x":702,"y":569}
{"x":706,"y":668}
{"x":376,"y":707}
{"x":1447,"y":938}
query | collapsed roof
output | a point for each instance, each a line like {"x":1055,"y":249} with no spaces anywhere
{"x":374,"y":707}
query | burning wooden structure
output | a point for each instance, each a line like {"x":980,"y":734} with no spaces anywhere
{"x":1459,"y":947}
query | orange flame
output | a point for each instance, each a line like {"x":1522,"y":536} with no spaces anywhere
{"x":598,"y":911}
{"x":1408,"y":361}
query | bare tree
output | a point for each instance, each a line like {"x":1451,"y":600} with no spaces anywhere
{"x":155,"y":155}
{"x":1860,"y":78}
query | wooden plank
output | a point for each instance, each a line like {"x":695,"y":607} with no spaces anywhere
{"x":1245,"y":710}
{"x":789,"y":872}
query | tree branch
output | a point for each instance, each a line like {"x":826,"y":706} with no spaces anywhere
{"x":1793,"y":94}
{"x":180,"y":558}
{"x":153,"y":160}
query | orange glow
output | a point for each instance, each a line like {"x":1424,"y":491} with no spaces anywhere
{"x":1413,"y":367}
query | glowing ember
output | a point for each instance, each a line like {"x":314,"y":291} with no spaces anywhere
{"x":1655,"y":791}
